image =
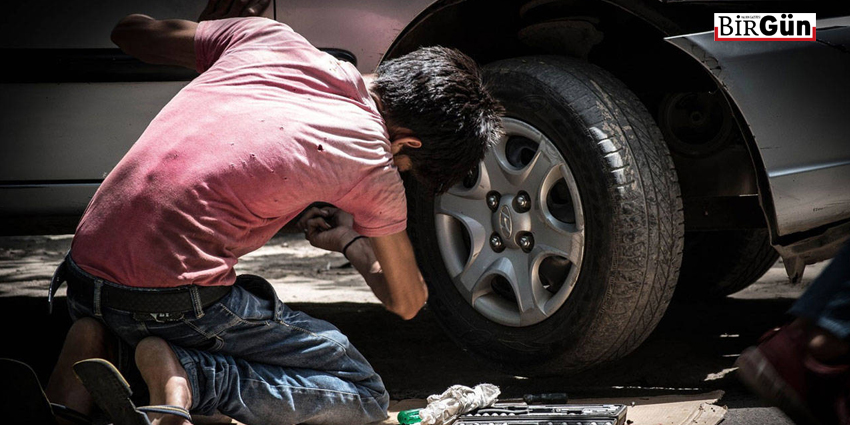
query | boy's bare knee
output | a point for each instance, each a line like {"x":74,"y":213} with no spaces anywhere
{"x":152,"y":344}
{"x":150,"y":351}
{"x":88,"y":332}
{"x":88,"y":326}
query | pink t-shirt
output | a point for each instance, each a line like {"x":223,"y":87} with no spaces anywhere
{"x":270,"y":126}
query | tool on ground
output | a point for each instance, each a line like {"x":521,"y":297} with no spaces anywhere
{"x":560,"y":414}
{"x":444,"y":408}
{"x":544,"y":398}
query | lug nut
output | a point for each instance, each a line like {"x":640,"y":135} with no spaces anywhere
{"x":525,"y":241}
{"x":493,"y":199}
{"x":496,"y":243}
{"x":522,"y":202}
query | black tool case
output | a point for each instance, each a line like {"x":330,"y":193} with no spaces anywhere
{"x":546,"y":414}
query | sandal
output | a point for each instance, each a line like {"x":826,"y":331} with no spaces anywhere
{"x":23,"y":400}
{"x":112,"y":393}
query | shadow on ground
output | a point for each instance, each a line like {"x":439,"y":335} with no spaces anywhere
{"x":692,"y":350}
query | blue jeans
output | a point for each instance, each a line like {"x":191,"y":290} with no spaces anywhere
{"x":827,"y":301}
{"x":254,"y":359}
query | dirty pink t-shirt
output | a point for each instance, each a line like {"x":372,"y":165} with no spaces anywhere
{"x":270,"y":126}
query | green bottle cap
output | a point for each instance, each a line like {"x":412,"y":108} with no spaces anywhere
{"x":406,"y":417}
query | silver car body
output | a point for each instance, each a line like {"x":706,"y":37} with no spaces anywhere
{"x":60,"y":139}
{"x":795,"y":99}
{"x":44,"y":126}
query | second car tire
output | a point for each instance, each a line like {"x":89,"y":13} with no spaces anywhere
{"x":723,"y":262}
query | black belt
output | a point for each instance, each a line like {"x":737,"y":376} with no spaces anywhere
{"x":167,"y":300}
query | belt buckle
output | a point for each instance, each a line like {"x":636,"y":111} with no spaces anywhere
{"x":159,"y":317}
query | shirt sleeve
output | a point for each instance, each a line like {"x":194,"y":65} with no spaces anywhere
{"x":378,"y":204}
{"x":215,"y":38}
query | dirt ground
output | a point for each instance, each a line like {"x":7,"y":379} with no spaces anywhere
{"x":691,"y":351}
{"x":299,"y":271}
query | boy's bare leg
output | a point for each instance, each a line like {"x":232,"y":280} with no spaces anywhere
{"x":165,"y":377}
{"x":86,"y":339}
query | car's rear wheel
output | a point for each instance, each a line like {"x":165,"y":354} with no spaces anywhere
{"x":562,"y":249}
{"x":721,"y":263}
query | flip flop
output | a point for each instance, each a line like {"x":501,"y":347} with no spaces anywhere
{"x":112,"y":393}
{"x":22,"y":400}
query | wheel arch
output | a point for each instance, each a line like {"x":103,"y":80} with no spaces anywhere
{"x":632,"y":47}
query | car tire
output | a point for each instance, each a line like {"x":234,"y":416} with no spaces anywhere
{"x":600,"y":277}
{"x":720,"y":263}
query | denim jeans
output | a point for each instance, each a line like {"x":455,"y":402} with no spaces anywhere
{"x":827,"y":301}
{"x":254,"y":359}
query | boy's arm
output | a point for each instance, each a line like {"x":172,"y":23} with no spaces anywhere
{"x":387,"y":263}
{"x":160,"y":42}
{"x":400,"y":282}
{"x":172,"y":41}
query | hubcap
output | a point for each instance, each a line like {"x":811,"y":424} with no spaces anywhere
{"x":512,"y":238}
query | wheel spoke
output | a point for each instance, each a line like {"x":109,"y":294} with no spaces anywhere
{"x":530,"y":293}
{"x":552,"y":235}
{"x":478,"y":234}
{"x":528,"y":177}
{"x":532,"y":176}
{"x":480,"y":188}
{"x":559,"y":239}
{"x":470,"y":211}
{"x":470,"y":280}
{"x":497,"y":170}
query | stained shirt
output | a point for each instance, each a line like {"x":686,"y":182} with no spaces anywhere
{"x":270,"y":126}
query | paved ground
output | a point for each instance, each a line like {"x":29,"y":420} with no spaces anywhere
{"x":691,"y":351}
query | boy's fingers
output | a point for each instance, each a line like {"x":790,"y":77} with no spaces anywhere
{"x":317,"y":223}
{"x":222,"y":7}
{"x":314,"y":211}
{"x":239,"y":7}
{"x":256,"y":7}
{"x":211,"y":6}
{"x":307,"y":216}
{"x":312,"y":230}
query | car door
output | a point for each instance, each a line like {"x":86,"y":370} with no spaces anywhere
{"x":72,"y":104}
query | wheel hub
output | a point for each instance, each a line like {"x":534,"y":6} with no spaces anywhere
{"x":509,"y":223}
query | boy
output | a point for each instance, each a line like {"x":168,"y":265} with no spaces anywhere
{"x":271,"y":126}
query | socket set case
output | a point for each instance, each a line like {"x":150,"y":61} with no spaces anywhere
{"x":546,"y":414}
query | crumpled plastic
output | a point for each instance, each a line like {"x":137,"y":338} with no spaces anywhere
{"x":444,"y":408}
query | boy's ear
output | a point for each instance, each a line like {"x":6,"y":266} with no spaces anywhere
{"x":409,"y":141}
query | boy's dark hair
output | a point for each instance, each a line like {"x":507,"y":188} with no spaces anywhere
{"x":438,"y":93}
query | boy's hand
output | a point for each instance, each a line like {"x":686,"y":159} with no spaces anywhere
{"x":220,"y":9}
{"x":386,"y":262}
{"x":327,"y":228}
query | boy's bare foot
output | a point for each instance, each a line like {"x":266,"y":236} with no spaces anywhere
{"x":165,"y":377}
